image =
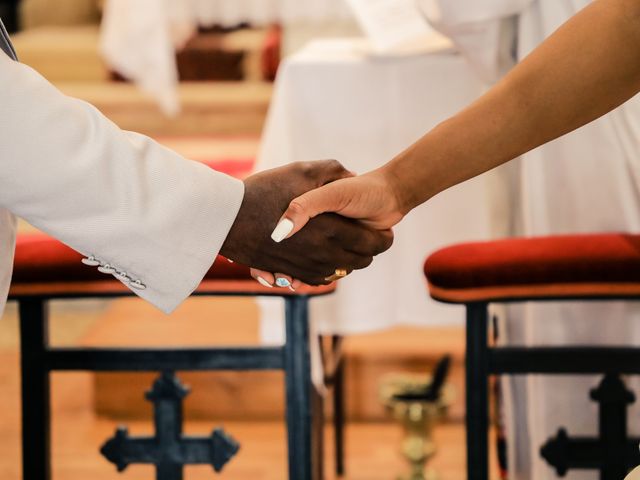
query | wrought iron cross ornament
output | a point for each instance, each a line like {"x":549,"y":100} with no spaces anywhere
{"x":613,"y":453}
{"x":169,"y":450}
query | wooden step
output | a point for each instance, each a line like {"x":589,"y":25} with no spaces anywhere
{"x":63,"y":54}
{"x":71,"y":53}
{"x":256,"y":395}
{"x":69,"y":58}
{"x":208,"y":108}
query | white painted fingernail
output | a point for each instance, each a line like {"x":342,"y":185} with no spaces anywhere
{"x":263,"y":282}
{"x":229,"y":260}
{"x":291,"y":288}
{"x":282,"y":230}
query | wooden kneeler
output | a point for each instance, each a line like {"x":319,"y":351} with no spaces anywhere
{"x":578,"y":267}
{"x":47,"y":270}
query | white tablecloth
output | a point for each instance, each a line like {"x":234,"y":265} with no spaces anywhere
{"x":334,"y":101}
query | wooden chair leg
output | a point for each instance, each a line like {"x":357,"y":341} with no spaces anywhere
{"x":477,"y":394}
{"x":298,"y":388}
{"x":36,"y":411}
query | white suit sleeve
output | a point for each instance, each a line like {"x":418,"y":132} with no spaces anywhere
{"x":119,"y":196}
{"x":484,"y":30}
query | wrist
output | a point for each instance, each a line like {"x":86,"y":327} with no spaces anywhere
{"x":401,"y":196}
{"x":232,"y":247}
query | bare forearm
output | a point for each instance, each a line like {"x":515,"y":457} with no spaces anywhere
{"x":587,"y":68}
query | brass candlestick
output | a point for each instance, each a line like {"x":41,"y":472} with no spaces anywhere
{"x":418,"y":402}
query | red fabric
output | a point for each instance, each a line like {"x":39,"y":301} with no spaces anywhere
{"x":271,"y":52}
{"x":573,"y":259}
{"x":236,"y":167}
{"x":41,"y":259}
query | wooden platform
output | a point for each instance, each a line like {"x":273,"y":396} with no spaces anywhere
{"x":72,"y":52}
{"x":207,"y":108}
{"x":69,"y":57}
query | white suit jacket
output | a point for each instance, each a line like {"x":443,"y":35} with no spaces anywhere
{"x":159,"y":220}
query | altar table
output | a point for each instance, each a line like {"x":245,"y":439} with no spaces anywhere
{"x":335,"y":100}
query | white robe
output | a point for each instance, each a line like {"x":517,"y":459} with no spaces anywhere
{"x":587,"y":181}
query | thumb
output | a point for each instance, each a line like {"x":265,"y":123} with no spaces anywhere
{"x":328,"y":198}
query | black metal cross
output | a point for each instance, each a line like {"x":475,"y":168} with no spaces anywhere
{"x":613,"y":453}
{"x":169,"y":450}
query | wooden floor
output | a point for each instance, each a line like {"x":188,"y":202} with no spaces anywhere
{"x":77,"y":435}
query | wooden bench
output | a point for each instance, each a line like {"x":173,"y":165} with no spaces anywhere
{"x":47,"y":270}
{"x":578,"y":267}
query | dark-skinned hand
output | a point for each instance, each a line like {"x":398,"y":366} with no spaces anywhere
{"x":328,"y":241}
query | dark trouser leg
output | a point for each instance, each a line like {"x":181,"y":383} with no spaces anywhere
{"x":298,"y":384}
{"x":36,"y":449}
{"x":338,"y":410}
{"x":477,"y":384}
{"x":317,"y":452}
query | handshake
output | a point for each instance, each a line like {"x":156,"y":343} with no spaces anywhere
{"x":268,"y":235}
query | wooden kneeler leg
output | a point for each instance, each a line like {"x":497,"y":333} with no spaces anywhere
{"x":297,"y":363}
{"x":477,"y":385}
{"x":36,"y":422}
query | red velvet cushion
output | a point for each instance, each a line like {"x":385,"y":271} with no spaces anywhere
{"x":40,"y":258}
{"x":603,"y":261}
{"x":271,"y":52}
{"x":44,"y":267}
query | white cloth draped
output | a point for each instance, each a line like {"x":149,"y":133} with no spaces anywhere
{"x":483,"y":30}
{"x":139,"y":37}
{"x":586,"y":181}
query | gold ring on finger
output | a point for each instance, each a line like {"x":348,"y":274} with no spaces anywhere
{"x":337,"y":275}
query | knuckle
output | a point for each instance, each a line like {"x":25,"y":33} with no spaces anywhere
{"x":363,"y":262}
{"x":358,"y":262}
{"x":335,"y":165}
{"x":303,"y":168}
{"x":308,"y":169}
{"x":387,"y":242}
{"x":297,"y":207}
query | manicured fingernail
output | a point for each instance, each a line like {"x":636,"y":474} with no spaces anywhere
{"x":291,"y":288}
{"x":282,"y":230}
{"x":282,"y":282}
{"x":229,"y":260}
{"x":263,"y":282}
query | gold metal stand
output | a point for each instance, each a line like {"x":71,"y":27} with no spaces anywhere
{"x":407,"y":399}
